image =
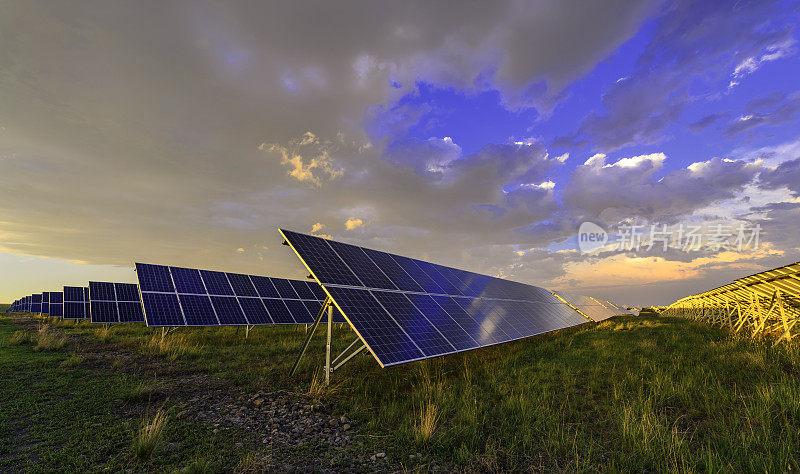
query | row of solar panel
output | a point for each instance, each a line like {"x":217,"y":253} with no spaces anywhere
{"x":406,"y":309}
{"x":594,"y":309}
{"x":177,"y":296}
{"x":197,"y":298}
{"x":337,"y":263}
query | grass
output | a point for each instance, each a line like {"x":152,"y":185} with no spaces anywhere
{"x":629,"y":394}
{"x":150,"y":436}
{"x":64,"y":418}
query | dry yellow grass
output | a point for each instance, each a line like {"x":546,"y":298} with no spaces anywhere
{"x":150,"y":435}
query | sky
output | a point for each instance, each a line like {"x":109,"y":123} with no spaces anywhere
{"x":482,"y":136}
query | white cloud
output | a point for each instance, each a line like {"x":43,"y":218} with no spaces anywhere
{"x":353,"y":223}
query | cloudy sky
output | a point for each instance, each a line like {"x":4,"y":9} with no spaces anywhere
{"x":477,"y":134}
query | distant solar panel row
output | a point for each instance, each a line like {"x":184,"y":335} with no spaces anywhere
{"x":406,"y":309}
{"x":595,"y":309}
{"x":115,"y":302}
{"x":76,"y":302}
{"x":177,"y":296}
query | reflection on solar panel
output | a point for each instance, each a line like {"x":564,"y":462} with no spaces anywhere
{"x":76,"y":302}
{"x":177,"y":296}
{"x":115,"y":302}
{"x":594,"y":309}
{"x":405,"y":309}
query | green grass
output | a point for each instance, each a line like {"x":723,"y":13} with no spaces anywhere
{"x":630,"y":394}
{"x":57,"y":416}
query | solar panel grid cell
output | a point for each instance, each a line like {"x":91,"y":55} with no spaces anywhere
{"x":264,"y":287}
{"x":242,"y":286}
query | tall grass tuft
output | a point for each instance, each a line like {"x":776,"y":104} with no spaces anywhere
{"x":73,"y":361}
{"x":150,"y":435}
{"x":21,"y":337}
{"x":172,"y":347}
{"x":104,"y":333}
{"x":425,"y":426}
{"x":48,"y":340}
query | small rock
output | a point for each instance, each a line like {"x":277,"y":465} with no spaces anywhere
{"x":346,"y":427}
{"x":381,"y":454}
{"x":258,"y":401}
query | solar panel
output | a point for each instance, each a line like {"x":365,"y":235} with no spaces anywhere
{"x":45,"y":303}
{"x":114,"y":302}
{"x":56,"y":304}
{"x":75,"y":302}
{"x":406,"y":309}
{"x":593,"y":308}
{"x":177,"y":296}
{"x":36,"y":303}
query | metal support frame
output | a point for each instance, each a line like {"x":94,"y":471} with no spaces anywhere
{"x":247,"y":330}
{"x":338,"y":361}
{"x":763,"y":304}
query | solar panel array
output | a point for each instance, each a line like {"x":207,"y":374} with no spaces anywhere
{"x":36,"y":303}
{"x":406,"y":309}
{"x":76,"y":302}
{"x":115,"y":302}
{"x":177,"y":296}
{"x":56,"y":304}
{"x":594,"y":309}
{"x":45,"y":303}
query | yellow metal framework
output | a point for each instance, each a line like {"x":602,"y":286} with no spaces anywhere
{"x":764,"y":303}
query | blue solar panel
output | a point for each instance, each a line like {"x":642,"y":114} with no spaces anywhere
{"x":162,"y":309}
{"x":438,"y":309}
{"x":299,"y":311}
{"x":399,"y":277}
{"x":265,"y":287}
{"x":302,"y":290}
{"x":254,"y":311}
{"x":74,"y":310}
{"x":228,"y":310}
{"x":102,"y":291}
{"x":364,"y":268}
{"x":278,"y":311}
{"x":462,"y":338}
{"x":73,"y":294}
{"x":130,"y":312}
{"x":415,"y":324}
{"x":285,"y":289}
{"x":210,"y":298}
{"x":198,"y":311}
{"x":410,"y":266}
{"x":328,"y":267}
{"x":242,"y":286}
{"x":216,"y":283}
{"x":187,"y":280}
{"x":104,"y":312}
{"x":127,"y":292}
{"x":56,"y":304}
{"x":154,"y":278}
{"x":385,"y":338}
{"x":115,"y":302}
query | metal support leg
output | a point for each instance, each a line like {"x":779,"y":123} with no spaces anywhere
{"x":308,"y":337}
{"x":336,"y":360}
{"x":328,"y":347}
{"x":247,"y":331}
{"x":353,"y":354}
